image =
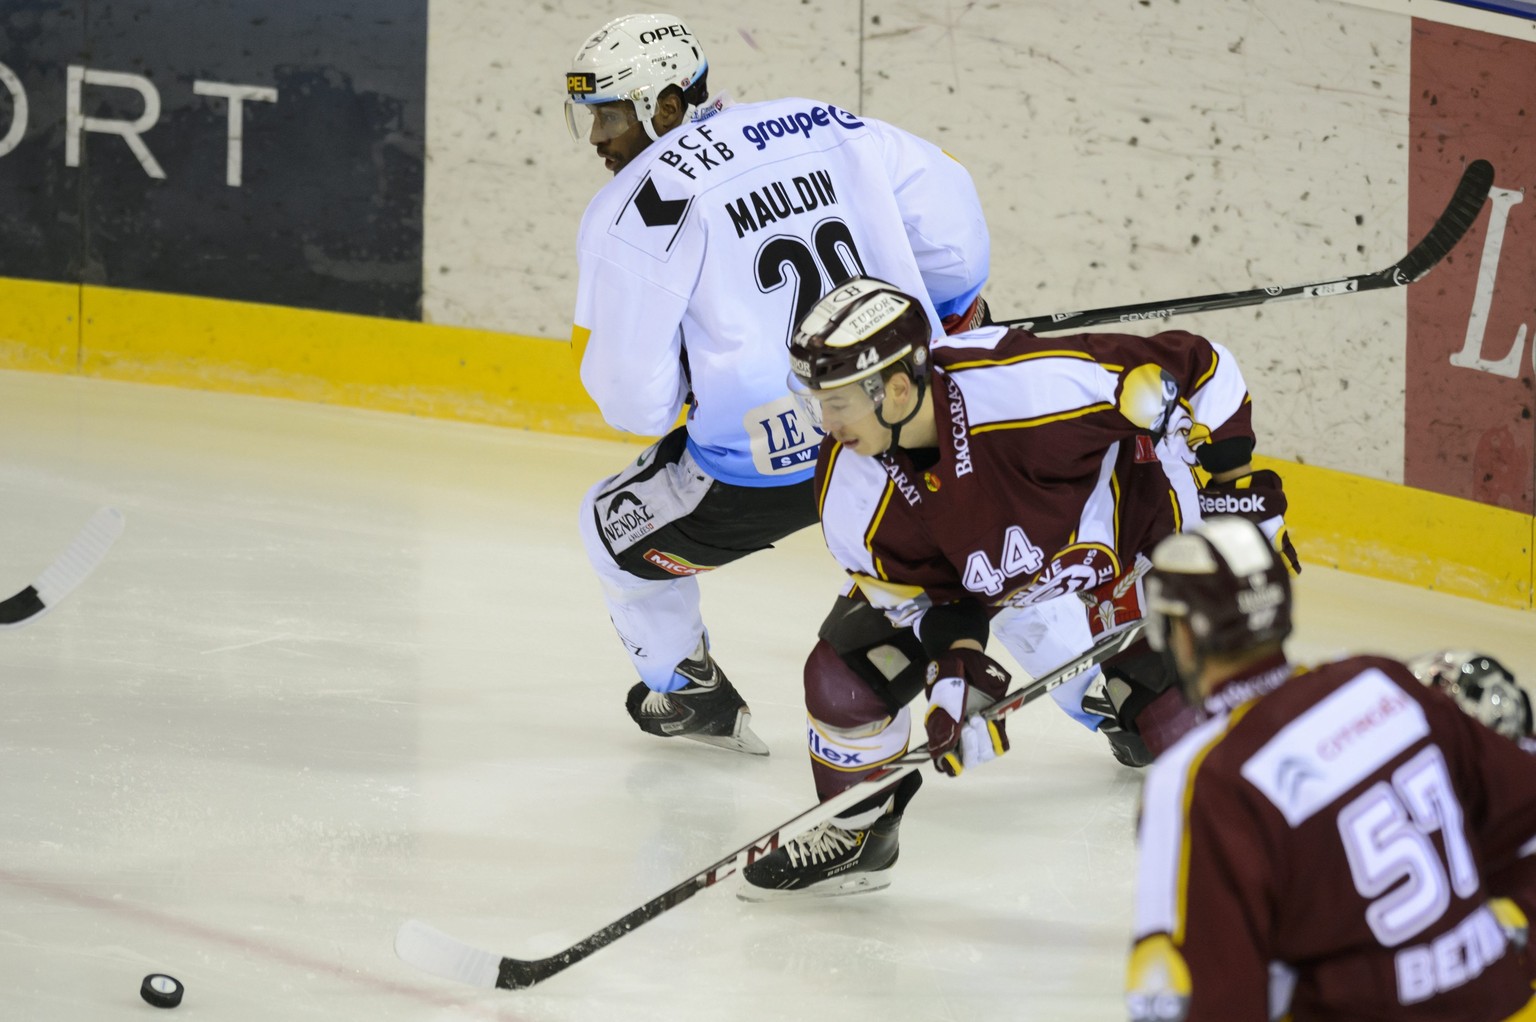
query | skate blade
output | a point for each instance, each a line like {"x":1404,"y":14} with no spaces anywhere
{"x":858,"y":883}
{"x":742,"y":739}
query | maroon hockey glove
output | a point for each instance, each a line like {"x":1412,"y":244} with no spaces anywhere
{"x":1259,"y":497}
{"x":962,"y":683}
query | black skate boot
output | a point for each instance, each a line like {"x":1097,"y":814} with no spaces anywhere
{"x":831,"y":859}
{"x":707,"y":709}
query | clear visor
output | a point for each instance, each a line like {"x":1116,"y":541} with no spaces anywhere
{"x":837,"y":407}
{"x":599,"y":122}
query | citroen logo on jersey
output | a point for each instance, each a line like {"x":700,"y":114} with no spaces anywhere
{"x":656,"y":211}
{"x":1292,"y":773}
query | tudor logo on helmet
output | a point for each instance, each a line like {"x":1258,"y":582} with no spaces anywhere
{"x":851,"y":336}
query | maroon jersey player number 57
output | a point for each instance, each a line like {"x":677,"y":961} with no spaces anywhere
{"x":1330,"y":843}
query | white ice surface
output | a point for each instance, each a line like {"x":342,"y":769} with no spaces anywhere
{"x":344,"y":669}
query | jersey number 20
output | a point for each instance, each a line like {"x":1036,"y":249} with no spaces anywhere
{"x":830,"y":252}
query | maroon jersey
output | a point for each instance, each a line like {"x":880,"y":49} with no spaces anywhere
{"x":1320,"y":847}
{"x":1047,"y":479}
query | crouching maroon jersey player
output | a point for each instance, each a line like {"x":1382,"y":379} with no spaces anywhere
{"x":991,"y":484}
{"x":1320,"y":847}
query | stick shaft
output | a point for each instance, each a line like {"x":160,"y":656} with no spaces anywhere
{"x":443,"y":955}
{"x":1462,"y":211}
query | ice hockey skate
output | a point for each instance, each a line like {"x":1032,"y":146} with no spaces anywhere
{"x":830,"y":859}
{"x":707,"y":709}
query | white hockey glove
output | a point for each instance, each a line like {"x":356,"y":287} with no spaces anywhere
{"x":962,"y":683}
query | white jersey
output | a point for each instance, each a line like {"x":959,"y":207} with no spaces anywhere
{"x":700,"y":256}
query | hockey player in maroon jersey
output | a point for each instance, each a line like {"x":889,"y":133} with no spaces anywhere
{"x":1320,"y":847}
{"x":979,"y":485}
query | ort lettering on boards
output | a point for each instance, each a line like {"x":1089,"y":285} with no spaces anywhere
{"x":132,"y":132}
{"x":274,"y":155}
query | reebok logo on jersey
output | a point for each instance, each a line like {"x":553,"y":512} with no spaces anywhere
{"x":1232,"y":504}
{"x":801,"y":122}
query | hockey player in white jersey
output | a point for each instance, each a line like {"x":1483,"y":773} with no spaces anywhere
{"x":723,"y":224}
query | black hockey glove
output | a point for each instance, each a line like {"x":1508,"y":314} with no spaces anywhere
{"x":1259,"y":497}
{"x":962,"y":683}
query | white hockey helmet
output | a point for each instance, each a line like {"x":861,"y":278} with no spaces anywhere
{"x":633,"y":58}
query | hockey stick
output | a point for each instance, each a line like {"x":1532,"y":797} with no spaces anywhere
{"x":436,"y":952}
{"x":61,"y":577}
{"x":1467,"y":202}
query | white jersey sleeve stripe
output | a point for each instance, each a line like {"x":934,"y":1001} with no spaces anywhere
{"x":1219,"y":394}
{"x":1029,"y":356}
{"x":1044,"y":420}
{"x":1034,"y":391}
{"x":1098,"y":522}
{"x":854,"y":493}
{"x":1163,"y":866}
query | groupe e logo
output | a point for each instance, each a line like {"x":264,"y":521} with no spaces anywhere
{"x":77,"y":123}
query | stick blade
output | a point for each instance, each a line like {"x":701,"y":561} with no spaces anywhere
{"x":84,"y":553}
{"x":1459,"y":216}
{"x":431,"y":950}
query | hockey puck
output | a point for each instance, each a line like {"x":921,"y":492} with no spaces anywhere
{"x":161,"y":990}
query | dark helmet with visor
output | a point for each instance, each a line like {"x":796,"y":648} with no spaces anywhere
{"x":851,"y":336}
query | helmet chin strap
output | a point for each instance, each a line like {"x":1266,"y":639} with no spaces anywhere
{"x":895,"y":427}
{"x":650,"y":122}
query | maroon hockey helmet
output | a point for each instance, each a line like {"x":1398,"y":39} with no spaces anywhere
{"x":1226,"y":580}
{"x":1484,"y":688}
{"x":855,"y":331}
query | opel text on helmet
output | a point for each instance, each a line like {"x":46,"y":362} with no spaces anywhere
{"x":632,"y":58}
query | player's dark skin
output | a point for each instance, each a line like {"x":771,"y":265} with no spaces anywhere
{"x":618,"y":135}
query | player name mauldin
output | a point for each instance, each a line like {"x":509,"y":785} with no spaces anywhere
{"x":780,"y":200}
